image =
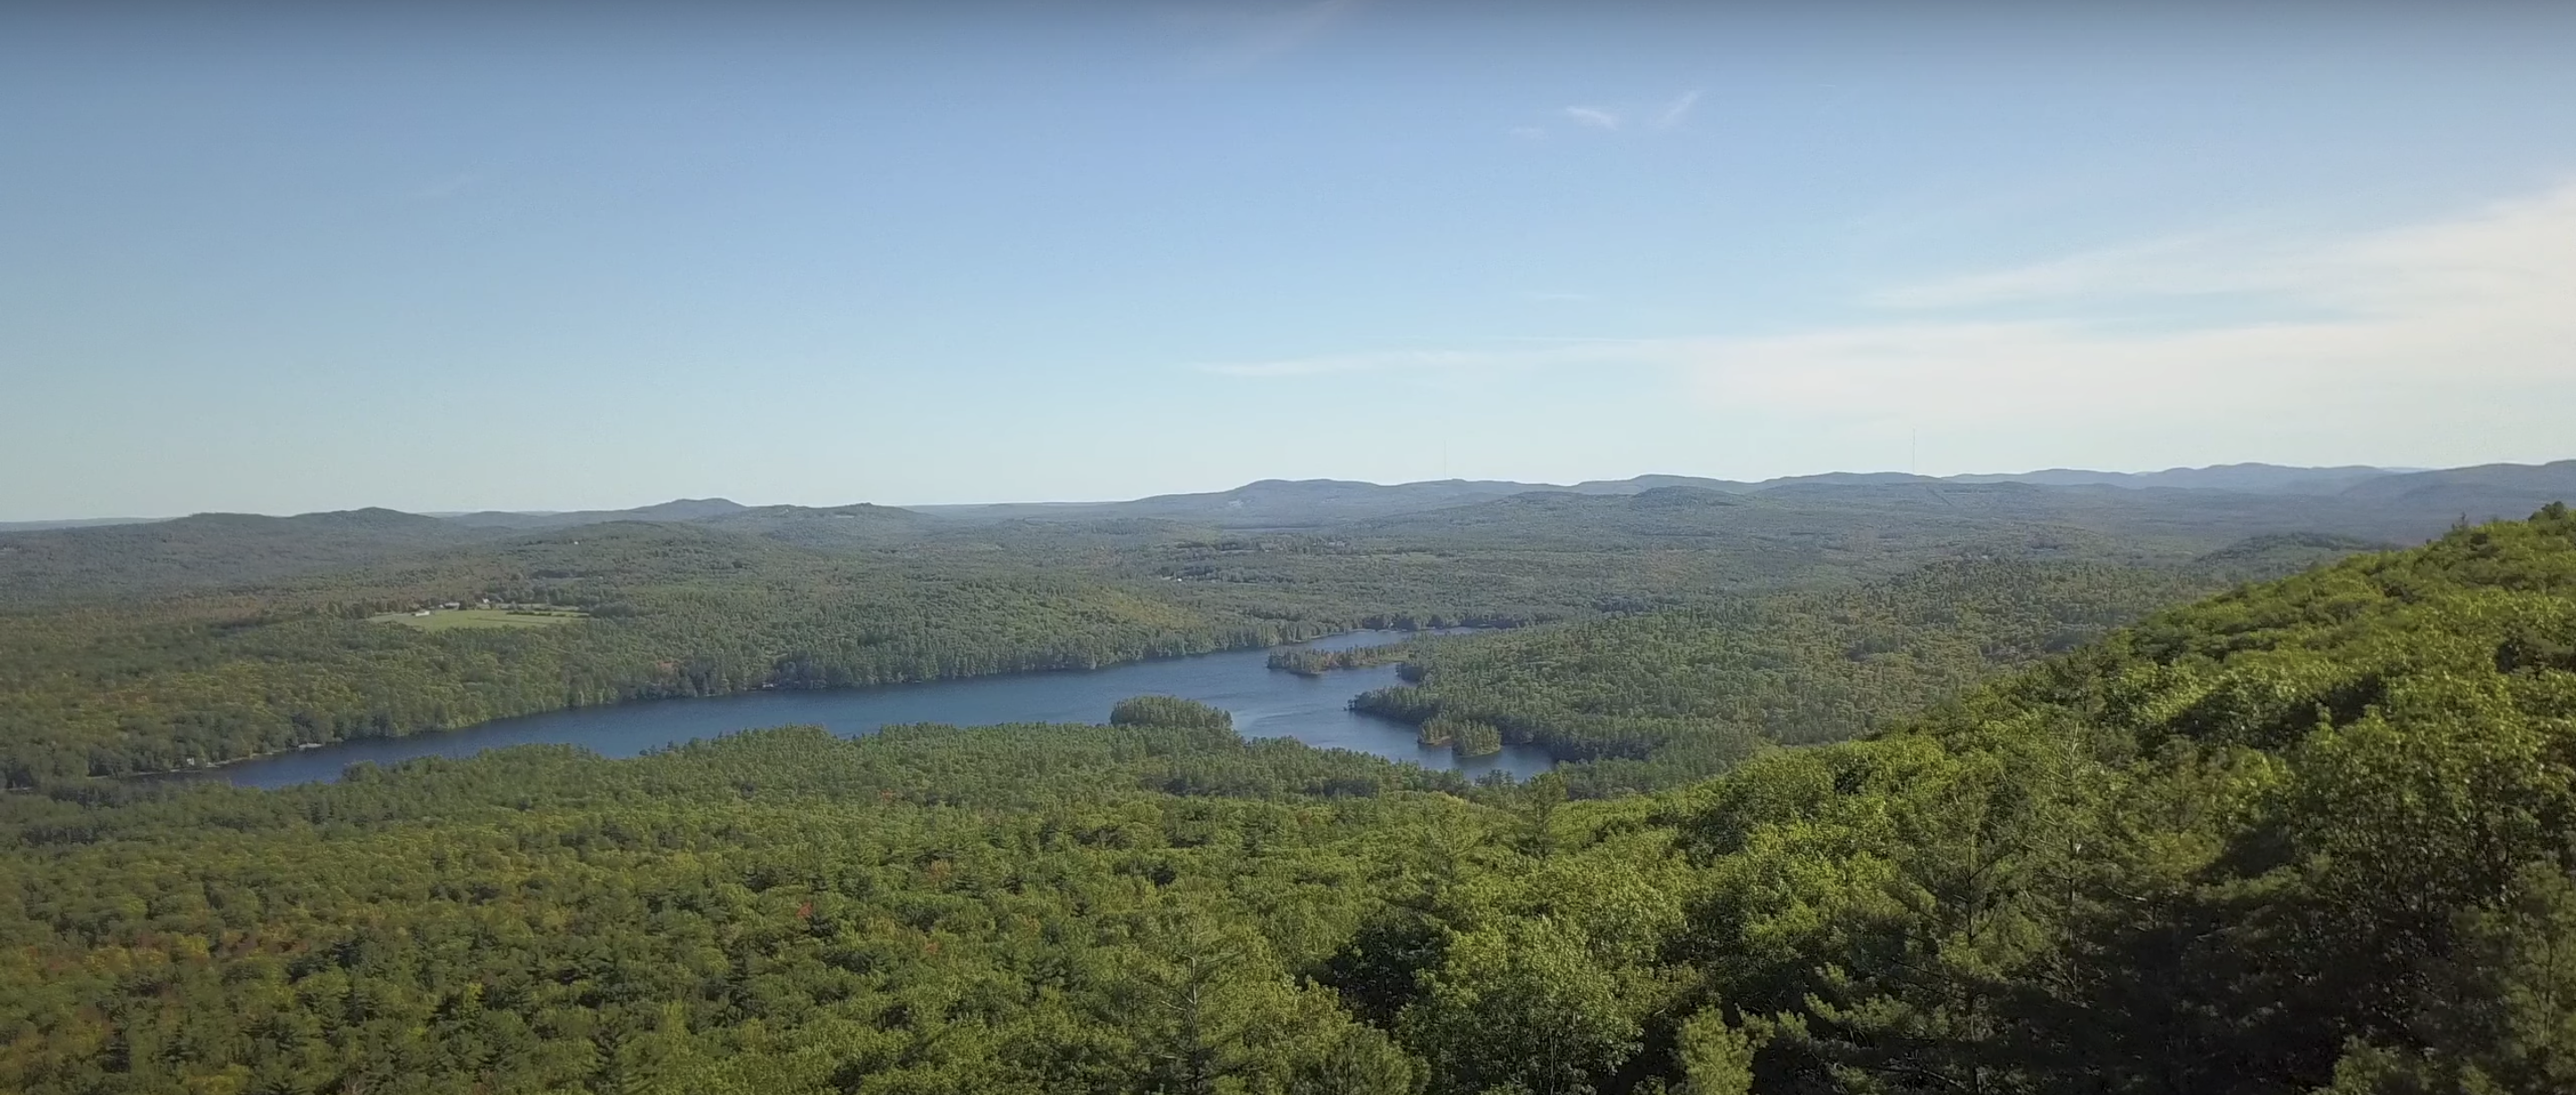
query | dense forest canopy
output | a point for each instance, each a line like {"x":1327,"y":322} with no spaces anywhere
{"x":138,"y":648}
{"x":2304,"y":835}
{"x":1657,"y":698}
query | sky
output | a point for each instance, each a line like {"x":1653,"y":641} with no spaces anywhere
{"x":558,"y":255}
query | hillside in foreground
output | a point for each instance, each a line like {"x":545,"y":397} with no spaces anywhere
{"x":2310,"y":834}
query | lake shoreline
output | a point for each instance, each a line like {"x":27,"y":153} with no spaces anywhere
{"x":439,"y":741}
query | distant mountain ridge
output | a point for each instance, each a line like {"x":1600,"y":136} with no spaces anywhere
{"x":2187,"y":504}
{"x":677,"y":509}
{"x":2501,"y":488}
{"x":75,"y":522}
{"x":2251,"y":478}
{"x":1369,"y":499}
{"x":1340,"y":499}
{"x":2501,"y":480}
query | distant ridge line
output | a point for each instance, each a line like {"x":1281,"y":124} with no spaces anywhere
{"x":1369,"y":499}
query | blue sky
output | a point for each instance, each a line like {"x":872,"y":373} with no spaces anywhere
{"x":555,"y":256}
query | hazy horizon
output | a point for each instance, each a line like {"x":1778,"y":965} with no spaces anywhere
{"x":288,"y":258}
{"x":750,"y":499}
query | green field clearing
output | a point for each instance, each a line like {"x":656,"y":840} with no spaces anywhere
{"x":454,"y":619}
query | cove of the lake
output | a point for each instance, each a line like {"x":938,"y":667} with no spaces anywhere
{"x":1265,"y":703}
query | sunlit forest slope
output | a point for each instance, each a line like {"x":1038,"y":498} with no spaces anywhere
{"x":2308,"y":834}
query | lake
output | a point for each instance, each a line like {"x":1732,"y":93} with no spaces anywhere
{"x":1265,"y":704}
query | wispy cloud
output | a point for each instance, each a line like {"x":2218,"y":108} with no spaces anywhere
{"x":2444,"y":309}
{"x":1675,"y":112}
{"x":2443,"y":324}
{"x":2180,"y":265}
{"x":1591,"y":116}
{"x":1612,"y":119}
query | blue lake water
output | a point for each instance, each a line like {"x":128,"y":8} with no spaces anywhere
{"x":1265,"y":704}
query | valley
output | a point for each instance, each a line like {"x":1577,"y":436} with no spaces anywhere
{"x":1673,"y":790}
{"x":1287,"y":547}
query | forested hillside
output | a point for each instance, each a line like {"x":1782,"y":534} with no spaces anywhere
{"x":207,"y":551}
{"x":1008,"y":909}
{"x":2305,"y":835}
{"x":1654,"y":699}
{"x":1638,"y":701}
{"x":195,"y":642}
{"x":673,"y":611}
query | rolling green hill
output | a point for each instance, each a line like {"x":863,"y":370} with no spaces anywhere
{"x":210,"y":638}
{"x":208,"y":551}
{"x":673,"y":610}
{"x":2178,"y":512}
{"x":2307,"y":835}
{"x":1658,"y":698}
